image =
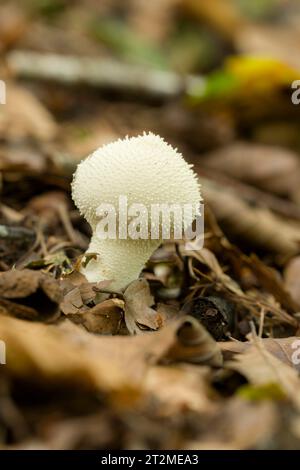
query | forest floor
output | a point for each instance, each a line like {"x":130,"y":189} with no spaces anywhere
{"x":204,"y":352}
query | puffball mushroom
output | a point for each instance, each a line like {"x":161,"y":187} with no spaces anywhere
{"x":147,"y":171}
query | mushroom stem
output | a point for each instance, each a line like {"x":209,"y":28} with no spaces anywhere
{"x":120,"y":261}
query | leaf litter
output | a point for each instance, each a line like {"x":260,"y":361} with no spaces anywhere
{"x":202,"y":352}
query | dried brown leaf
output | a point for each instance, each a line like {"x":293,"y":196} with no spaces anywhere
{"x":138,"y":311}
{"x":46,"y":354}
{"x":30,"y":289}
{"x":106,"y":318}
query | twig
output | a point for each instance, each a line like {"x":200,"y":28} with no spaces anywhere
{"x":16,"y":233}
{"x":261,"y":323}
{"x":100,"y":73}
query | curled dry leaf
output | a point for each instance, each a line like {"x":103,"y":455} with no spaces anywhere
{"x":78,"y":292}
{"x":233,"y":292}
{"x":66,"y":355}
{"x":192,"y":343}
{"x":27,"y":289}
{"x":138,"y":311}
{"x":106,"y":318}
{"x":182,"y":340}
{"x":215,"y":314}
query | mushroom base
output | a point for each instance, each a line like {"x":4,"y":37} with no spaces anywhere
{"x":120,"y":261}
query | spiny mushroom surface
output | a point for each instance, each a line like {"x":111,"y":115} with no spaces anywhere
{"x":147,"y":171}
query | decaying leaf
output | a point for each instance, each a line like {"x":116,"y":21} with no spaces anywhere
{"x":292,"y":279}
{"x":68,"y":355}
{"x":138,"y":311}
{"x":192,"y":344}
{"x":77,"y":293}
{"x":105,"y":318}
{"x":182,"y":340}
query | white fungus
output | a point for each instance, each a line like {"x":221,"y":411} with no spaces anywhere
{"x":144,"y":169}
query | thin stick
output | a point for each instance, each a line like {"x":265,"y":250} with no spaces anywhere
{"x":261,"y":323}
{"x":100,"y":73}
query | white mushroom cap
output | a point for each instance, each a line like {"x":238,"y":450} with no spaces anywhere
{"x":147,"y":171}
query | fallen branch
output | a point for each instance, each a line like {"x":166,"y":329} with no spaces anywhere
{"x":16,"y":233}
{"x":100,"y":73}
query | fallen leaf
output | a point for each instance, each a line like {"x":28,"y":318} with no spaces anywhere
{"x":138,"y":311}
{"x":34,"y":289}
{"x":45,"y":354}
{"x":106,"y":318}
